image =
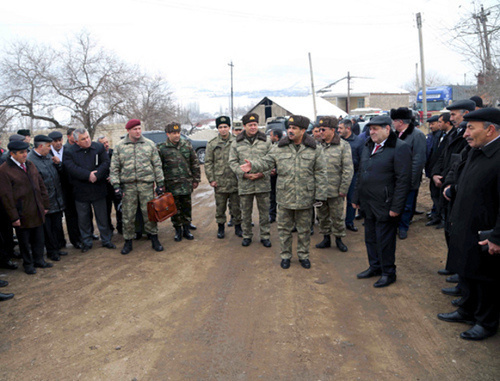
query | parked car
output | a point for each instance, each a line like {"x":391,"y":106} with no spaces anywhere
{"x":199,"y":146}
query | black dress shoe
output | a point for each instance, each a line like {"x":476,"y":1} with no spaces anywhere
{"x":434,"y":221}
{"x":452,"y":291}
{"x":305,"y":263}
{"x":109,"y":245}
{"x":340,"y":245}
{"x":3,"y":283}
{"x":368,"y":273}
{"x":351,"y":228}
{"x":266,"y":242}
{"x":30,"y":270}
{"x":456,"y":317}
{"x":192,"y":227}
{"x":444,"y":272}
{"x":5,"y":297}
{"x":77,"y":245}
{"x":95,"y":237}
{"x":285,"y":264}
{"x":86,"y":248}
{"x":54,"y":257}
{"x":477,"y":332}
{"x":62,"y":253}
{"x":403,"y":234}
{"x":440,"y":225}
{"x":127,"y":247}
{"x":44,"y":265}
{"x":246,"y":242}
{"x":457,"y":302}
{"x":452,"y":279}
{"x":9,"y":265}
{"x":385,"y":280}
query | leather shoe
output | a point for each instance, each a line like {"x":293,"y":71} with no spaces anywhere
{"x":3,"y":283}
{"x":246,"y":242}
{"x":457,"y":302}
{"x":452,"y":279}
{"x":77,"y":245}
{"x":54,"y":257}
{"x":109,"y":245}
{"x":477,"y":332}
{"x":385,"y":280}
{"x":456,"y":317}
{"x":434,"y":221}
{"x":351,"y":228}
{"x":86,"y":248}
{"x":285,"y":264}
{"x":30,"y":270}
{"x":440,"y":225}
{"x":452,"y":291}
{"x":305,"y":263}
{"x":192,"y":227}
{"x":368,"y":273}
{"x":8,"y":265}
{"x":403,"y":234}
{"x":44,"y":265}
{"x":62,"y":253}
{"x":266,"y":242}
{"x":444,"y":272}
{"x":5,"y":297}
{"x":127,"y":247}
{"x":340,"y":245}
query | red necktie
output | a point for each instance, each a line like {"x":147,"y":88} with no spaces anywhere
{"x":377,"y":146}
{"x":23,"y":167}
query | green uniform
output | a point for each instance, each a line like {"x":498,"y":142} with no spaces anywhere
{"x":217,"y":169}
{"x":181,"y":169}
{"x":340,"y":170}
{"x":301,"y":180}
{"x":251,"y":149}
{"x":135,"y":168}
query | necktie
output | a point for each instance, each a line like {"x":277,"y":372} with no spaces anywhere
{"x":23,"y":167}
{"x":377,"y":146}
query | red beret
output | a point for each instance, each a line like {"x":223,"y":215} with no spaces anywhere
{"x":132,"y":123}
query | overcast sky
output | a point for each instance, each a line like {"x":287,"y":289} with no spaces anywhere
{"x":191,"y":42}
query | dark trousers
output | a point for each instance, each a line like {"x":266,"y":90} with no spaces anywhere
{"x":54,"y":233}
{"x":7,"y":234}
{"x":350,"y":212}
{"x":31,"y":242}
{"x":380,"y":240}
{"x":435,"y":191}
{"x":71,"y":218}
{"x":481,"y":300}
{"x":84,"y":209}
{"x":411,"y":202}
{"x":272,"y":198}
{"x":183,"y":205}
{"x":110,"y":201}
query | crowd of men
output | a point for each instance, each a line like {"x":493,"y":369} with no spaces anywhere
{"x":295,"y":178}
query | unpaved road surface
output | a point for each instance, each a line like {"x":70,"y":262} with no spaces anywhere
{"x":210,"y":309}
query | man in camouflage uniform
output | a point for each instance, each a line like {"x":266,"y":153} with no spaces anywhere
{"x":182,"y":175}
{"x":135,"y":168}
{"x":302,"y":179}
{"x":337,"y":153}
{"x":250,"y":145}
{"x":221,"y":177}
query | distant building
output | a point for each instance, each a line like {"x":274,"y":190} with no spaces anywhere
{"x":365,"y":93}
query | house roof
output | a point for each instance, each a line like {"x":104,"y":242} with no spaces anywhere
{"x":359,"y":87}
{"x":304,"y":106}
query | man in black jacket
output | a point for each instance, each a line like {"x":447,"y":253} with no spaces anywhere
{"x":433,"y":151}
{"x":476,"y":194}
{"x":87,"y":164}
{"x":381,"y":190}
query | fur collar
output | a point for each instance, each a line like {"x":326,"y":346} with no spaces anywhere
{"x":260,"y":135}
{"x":307,"y":140}
{"x":408,"y":131}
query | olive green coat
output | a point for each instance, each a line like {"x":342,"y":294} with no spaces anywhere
{"x":339,"y":167}
{"x":217,"y":165}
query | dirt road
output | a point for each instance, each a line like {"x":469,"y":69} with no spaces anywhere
{"x":211,"y":309}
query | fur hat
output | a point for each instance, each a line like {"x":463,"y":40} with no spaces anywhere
{"x":299,"y":121}
{"x":401,"y":113}
{"x":329,"y":121}
{"x":250,"y":118}
{"x":173,"y":127}
{"x":223,"y":120}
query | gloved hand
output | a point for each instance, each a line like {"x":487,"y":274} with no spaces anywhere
{"x":160,"y":190}
{"x":118,"y":193}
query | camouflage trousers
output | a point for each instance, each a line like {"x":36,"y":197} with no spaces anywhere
{"x":222,"y":201}
{"x":183,"y":205}
{"x":246,"y":202}
{"x":137,"y":195}
{"x":331,"y":217}
{"x":287,"y":219}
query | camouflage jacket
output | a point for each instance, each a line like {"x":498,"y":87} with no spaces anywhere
{"x":301,"y":173}
{"x":180,"y":166}
{"x":217,"y":165}
{"x":135,"y":162}
{"x":242,"y":149}
{"x":339,"y":167}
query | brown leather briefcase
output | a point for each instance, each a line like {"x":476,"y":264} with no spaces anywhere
{"x":161,"y":208}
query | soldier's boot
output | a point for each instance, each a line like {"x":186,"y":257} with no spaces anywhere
{"x":220,"y":232}
{"x":325,"y":243}
{"x":186,"y":234}
{"x":237,"y":230}
{"x":178,"y":233}
{"x":155,"y":243}
{"x":230,"y":223}
{"x":342,"y":247}
{"x":127,"y":248}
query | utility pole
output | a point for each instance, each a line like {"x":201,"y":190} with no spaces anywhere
{"x":422,"y":68}
{"x":232,"y":105}
{"x":348,"y":105}
{"x":312,"y":87}
{"x":484,"y":38}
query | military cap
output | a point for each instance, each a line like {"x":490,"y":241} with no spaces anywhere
{"x":55,"y":135}
{"x":488,"y":114}
{"x":465,"y":104}
{"x":17,"y":146}
{"x":16,"y":138}
{"x":433,"y":118}
{"x":24,"y":132}
{"x":223,"y":120}
{"x":478,"y":100}
{"x":299,"y":121}
{"x":43,"y":138}
{"x":380,"y":120}
{"x":401,"y":113}
{"x":173,"y":127}
{"x":238,"y":127}
{"x":132,"y":123}
{"x":250,"y":118}
{"x":329,"y":121}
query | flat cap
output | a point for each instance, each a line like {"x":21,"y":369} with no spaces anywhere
{"x":16,"y":138}
{"x":132,"y":123}
{"x":55,"y":135}
{"x":223,"y":120}
{"x":43,"y":138}
{"x":465,"y":104}
{"x":250,"y":118}
{"x":24,"y":132}
{"x":328,"y":121}
{"x":488,"y":114}
{"x":478,"y":100}
{"x":17,"y":146}
{"x":433,"y":118}
{"x":380,"y":120}
{"x":299,"y":121}
{"x":401,"y":113}
{"x":173,"y":127}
